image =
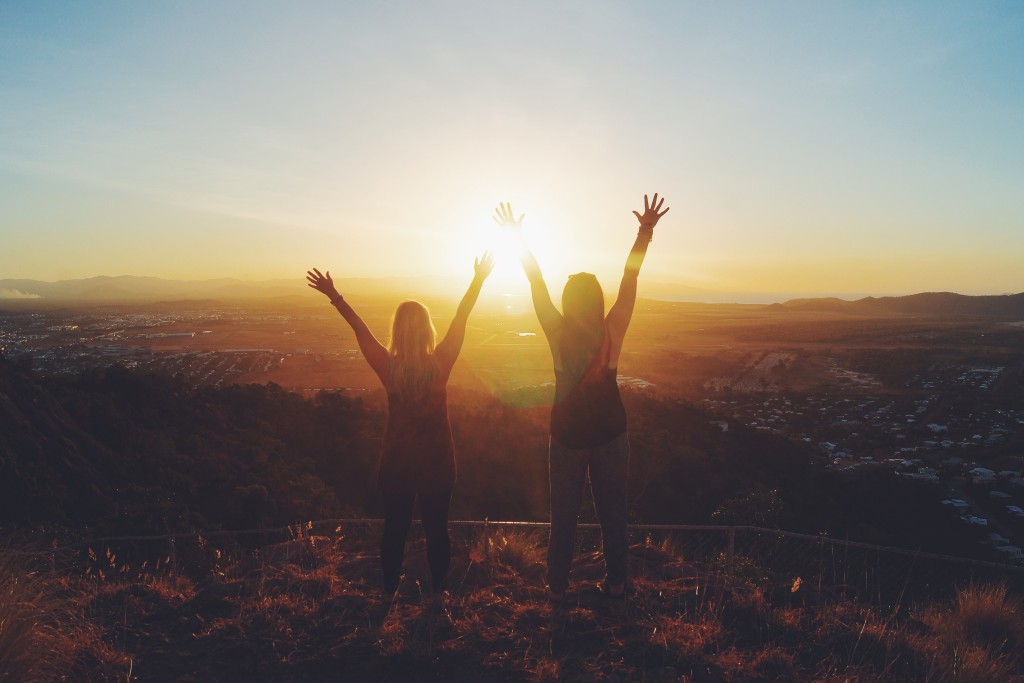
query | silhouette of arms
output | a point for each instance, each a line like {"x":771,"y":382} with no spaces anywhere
{"x":448,"y":350}
{"x":622,"y":310}
{"x":373,"y":351}
{"x":549,"y":317}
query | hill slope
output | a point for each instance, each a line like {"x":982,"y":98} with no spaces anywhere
{"x":321,"y":618}
{"x":937,"y":304}
{"x":115,"y":452}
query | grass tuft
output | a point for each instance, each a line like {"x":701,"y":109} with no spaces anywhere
{"x":988,"y":615}
{"x":521,"y":551}
{"x":43,"y":632}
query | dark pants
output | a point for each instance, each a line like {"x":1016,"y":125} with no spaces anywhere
{"x":608,"y":467}
{"x":398,"y":519}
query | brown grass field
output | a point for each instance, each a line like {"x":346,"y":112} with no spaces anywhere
{"x":309,"y":610}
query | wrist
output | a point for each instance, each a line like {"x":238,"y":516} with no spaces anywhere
{"x":336,"y":299}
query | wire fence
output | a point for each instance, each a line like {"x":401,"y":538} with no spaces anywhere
{"x":825,"y":568}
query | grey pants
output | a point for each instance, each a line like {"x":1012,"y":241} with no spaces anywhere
{"x":608,"y":466}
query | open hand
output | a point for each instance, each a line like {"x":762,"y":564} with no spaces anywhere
{"x":484,"y":265}
{"x":506,"y":219}
{"x":322,"y":283}
{"x":652,"y":213}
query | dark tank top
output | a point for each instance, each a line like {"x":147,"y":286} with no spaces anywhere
{"x":418,"y":454}
{"x":588,"y":410}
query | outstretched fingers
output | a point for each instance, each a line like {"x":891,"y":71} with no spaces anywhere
{"x":652,"y":211}
{"x":656,"y":205}
{"x":319,"y":281}
{"x":484,"y":264}
{"x":511,"y":216}
{"x":504,"y":216}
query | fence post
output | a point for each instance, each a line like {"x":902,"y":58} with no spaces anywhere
{"x":821,"y":569}
{"x":487,"y":539}
{"x":731,"y":552}
{"x":174,"y":556}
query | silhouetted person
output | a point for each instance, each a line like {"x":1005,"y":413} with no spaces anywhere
{"x":417,"y":458}
{"x":588,"y":420}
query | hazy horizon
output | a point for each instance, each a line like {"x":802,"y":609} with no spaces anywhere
{"x":803,"y":148}
{"x":14,"y":289}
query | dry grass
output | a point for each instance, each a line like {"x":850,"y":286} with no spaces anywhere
{"x":978,"y":637}
{"x":321,"y":617}
{"x":44,"y":635}
{"x":988,"y":615}
{"x":521,"y":551}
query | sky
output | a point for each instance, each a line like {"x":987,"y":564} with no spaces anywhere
{"x":805,"y":148}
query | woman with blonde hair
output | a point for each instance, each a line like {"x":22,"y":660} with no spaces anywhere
{"x":417,"y":459}
{"x":588,"y":420}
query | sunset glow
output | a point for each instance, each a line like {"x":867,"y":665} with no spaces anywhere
{"x":803,"y":148}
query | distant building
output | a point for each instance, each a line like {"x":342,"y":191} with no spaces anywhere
{"x":1010,"y":551}
{"x":976,"y":521}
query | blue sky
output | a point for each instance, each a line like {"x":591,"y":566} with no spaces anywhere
{"x":805,"y":147}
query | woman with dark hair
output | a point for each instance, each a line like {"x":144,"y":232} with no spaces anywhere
{"x":417,"y":458}
{"x":588,"y":420}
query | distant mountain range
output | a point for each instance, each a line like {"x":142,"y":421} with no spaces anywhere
{"x":1010,"y":306}
{"x":136,"y":289}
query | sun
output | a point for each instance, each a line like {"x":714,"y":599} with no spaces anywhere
{"x":476,"y":236}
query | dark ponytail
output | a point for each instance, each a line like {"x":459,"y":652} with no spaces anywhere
{"x":583,"y":328}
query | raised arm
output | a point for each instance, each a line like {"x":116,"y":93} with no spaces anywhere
{"x":549,"y":317}
{"x":622,"y":310}
{"x":448,"y":350}
{"x":373,"y":351}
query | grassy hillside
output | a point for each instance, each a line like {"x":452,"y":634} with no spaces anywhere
{"x":310,"y":611}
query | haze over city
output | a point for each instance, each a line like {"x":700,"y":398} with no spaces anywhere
{"x":804,"y":148}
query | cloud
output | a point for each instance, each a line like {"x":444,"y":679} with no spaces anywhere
{"x":16,"y":294}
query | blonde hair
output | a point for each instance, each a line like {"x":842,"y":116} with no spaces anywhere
{"x":412,"y":368}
